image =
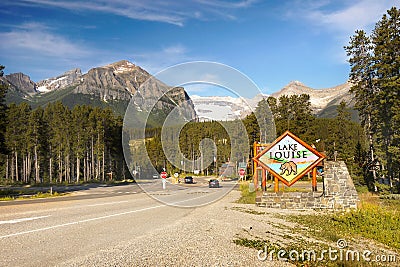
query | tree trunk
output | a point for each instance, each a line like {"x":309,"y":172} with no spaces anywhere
{"x":371,"y":147}
{"x":7,"y":169}
{"x":98,"y":170}
{"x":77,"y":168}
{"x":16,"y":166}
{"x":60,"y":168}
{"x":84,"y":169}
{"x":23,"y":169}
{"x":28,"y":167}
{"x":92,"y":167}
{"x":36,"y":165}
{"x":103,"y":165}
{"x":50,"y":170}
{"x":12,"y":168}
{"x":66,"y":169}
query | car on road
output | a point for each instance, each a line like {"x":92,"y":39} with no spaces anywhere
{"x":156,"y":176}
{"x":213,"y":183}
{"x":189,"y":180}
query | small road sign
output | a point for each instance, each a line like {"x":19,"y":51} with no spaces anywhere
{"x":242,"y":172}
{"x":163,"y":175}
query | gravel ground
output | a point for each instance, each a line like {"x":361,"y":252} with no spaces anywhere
{"x":204,"y":238}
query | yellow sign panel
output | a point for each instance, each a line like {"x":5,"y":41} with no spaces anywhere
{"x":289,"y":158}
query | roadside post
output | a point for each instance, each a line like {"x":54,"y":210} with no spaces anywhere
{"x":257,"y":148}
{"x":242,"y":173}
{"x":314,"y":179}
{"x":164,"y":179}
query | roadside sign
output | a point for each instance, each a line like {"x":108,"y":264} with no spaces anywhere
{"x":242,"y":172}
{"x":163,"y":175}
{"x":289,"y":158}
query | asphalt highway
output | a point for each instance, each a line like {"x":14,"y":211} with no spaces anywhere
{"x":50,"y":231}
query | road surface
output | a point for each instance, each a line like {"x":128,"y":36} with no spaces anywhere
{"x":51,"y":231}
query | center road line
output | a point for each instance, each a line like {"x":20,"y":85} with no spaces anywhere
{"x":95,"y":219}
{"x":23,"y":219}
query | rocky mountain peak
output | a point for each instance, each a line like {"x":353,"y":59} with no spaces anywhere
{"x":118,"y":80}
{"x":20,"y":82}
{"x":68,"y":78}
{"x":296,"y":83}
{"x":295,"y":88}
{"x":124,"y":66}
{"x":319,"y":98}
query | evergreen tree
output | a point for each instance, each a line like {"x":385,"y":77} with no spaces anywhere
{"x":3,"y":113}
{"x":293,"y":113}
{"x":375,"y":74}
{"x":3,"y":108}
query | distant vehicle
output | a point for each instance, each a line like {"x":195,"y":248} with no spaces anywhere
{"x":189,"y":180}
{"x":213,"y":183}
{"x":156,"y":176}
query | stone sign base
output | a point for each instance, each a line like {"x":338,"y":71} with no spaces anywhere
{"x":339,"y":193}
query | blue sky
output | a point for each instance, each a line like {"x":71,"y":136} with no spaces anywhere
{"x":272,"y":42}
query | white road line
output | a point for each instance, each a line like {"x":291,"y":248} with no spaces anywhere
{"x":108,"y":203}
{"x":71,"y":207}
{"x":94,"y":219}
{"x":81,"y":221}
{"x":23,"y":219}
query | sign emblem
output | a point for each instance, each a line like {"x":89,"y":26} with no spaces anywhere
{"x":289,"y":158}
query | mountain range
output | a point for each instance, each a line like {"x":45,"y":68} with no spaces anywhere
{"x":324,"y":102}
{"x":113,"y":85}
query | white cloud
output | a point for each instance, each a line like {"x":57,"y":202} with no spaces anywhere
{"x":361,"y":14}
{"x":33,"y":48}
{"x":173,"y":12}
{"x":36,"y":38}
{"x":228,"y":4}
{"x":338,"y":18}
{"x":155,"y":61}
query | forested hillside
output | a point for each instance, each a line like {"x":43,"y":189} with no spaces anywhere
{"x":56,"y":144}
{"x":338,"y":137}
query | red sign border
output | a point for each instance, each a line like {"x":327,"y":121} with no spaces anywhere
{"x":300,"y":175}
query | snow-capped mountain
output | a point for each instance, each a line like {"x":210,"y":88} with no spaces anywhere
{"x":67,"y":79}
{"x":111,"y":85}
{"x":323,"y":101}
{"x":224,"y":108}
{"x":320,"y":99}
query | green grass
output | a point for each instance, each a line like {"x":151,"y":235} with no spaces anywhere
{"x":10,"y":194}
{"x":377,"y":219}
{"x":273,"y":249}
{"x":246,"y":197}
{"x":250,"y":211}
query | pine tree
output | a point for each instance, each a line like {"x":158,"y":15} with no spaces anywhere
{"x":3,"y":113}
{"x":375,"y":74}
